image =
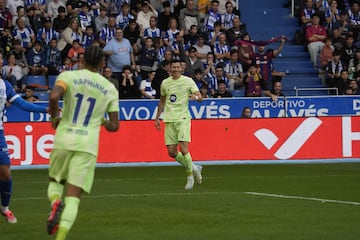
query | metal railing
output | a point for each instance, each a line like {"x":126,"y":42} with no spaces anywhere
{"x":315,"y":89}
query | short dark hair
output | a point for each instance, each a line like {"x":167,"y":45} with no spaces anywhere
{"x":175,"y":61}
{"x":93,"y":56}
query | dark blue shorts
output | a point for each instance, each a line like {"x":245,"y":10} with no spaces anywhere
{"x":4,"y":151}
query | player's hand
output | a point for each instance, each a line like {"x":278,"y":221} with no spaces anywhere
{"x":157,"y":124}
{"x":55,"y":122}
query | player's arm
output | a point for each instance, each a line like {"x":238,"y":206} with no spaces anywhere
{"x":28,"y":106}
{"x":159,"y":111}
{"x":54,"y":97}
{"x":112,"y":125}
{"x":196,"y":96}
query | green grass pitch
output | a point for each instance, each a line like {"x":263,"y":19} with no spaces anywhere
{"x":139,"y":203}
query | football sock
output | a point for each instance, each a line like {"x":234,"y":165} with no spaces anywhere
{"x":188,"y":164}
{"x":5,"y":192}
{"x":69,"y":213}
{"x":180,"y":158}
{"x":61,"y":233}
{"x":54,"y":191}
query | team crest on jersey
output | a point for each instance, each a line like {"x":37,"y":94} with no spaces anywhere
{"x":173,"y":98}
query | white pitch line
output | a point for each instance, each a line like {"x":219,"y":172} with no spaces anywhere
{"x":303,"y":198}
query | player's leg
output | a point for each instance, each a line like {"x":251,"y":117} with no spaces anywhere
{"x":80,"y":179}
{"x":5,"y":180}
{"x":170,"y":135}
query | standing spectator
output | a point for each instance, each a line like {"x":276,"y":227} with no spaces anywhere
{"x":148,"y":58}
{"x":332,"y":15}
{"x":37,"y":60}
{"x":24,"y":34}
{"x":132,"y":33}
{"x":228,"y":16}
{"x":165,"y":16}
{"x":80,"y":148}
{"x":276,"y":89}
{"x":20,"y":13}
{"x":120,"y":54}
{"x":13,"y":5}
{"x":47,"y":32}
{"x":188,"y":16}
{"x":128,"y":84}
{"x":162,"y":73}
{"x":14,"y":74}
{"x":326,"y":53}
{"x":348,"y":50}
{"x":315,"y":36}
{"x":35,"y":19}
{"x":101,"y":20}
{"x":222,"y":49}
{"x":333,"y":71}
{"x":222,"y":92}
{"x":108,"y":75}
{"x":191,"y":36}
{"x":193,"y":62}
{"x":53,"y":58}
{"x":122,"y":20}
{"x":53,"y":7}
{"x":354,"y":16}
{"x":212,"y":16}
{"x":146,"y":89}
{"x":306,"y":13}
{"x":174,"y":100}
{"x":72,"y":32}
{"x":20,"y":56}
{"x":143,"y":17}
{"x":107,"y":32}
{"x":245,"y":51}
{"x":234,"y":71}
{"x":84,"y":16}
{"x":61,"y":21}
{"x":236,"y":32}
{"x":88,"y":37}
{"x":255,"y":86}
{"x":170,"y":33}
{"x":202,"y":49}
{"x":223,"y":5}
{"x":153,"y":31}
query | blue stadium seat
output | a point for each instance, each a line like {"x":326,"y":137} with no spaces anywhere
{"x":43,"y":96}
{"x":238,"y":93}
{"x":38,"y":82}
{"x":52,"y":79}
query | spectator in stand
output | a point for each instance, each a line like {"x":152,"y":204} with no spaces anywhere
{"x":222,"y":92}
{"x":53,"y":7}
{"x":6,"y":16}
{"x":306,"y":13}
{"x":255,"y":86}
{"x":88,"y":37}
{"x":332,"y":15}
{"x":354,"y":66}
{"x":47,"y":32}
{"x":6,"y":41}
{"x":228,"y":16}
{"x":353,"y":88}
{"x":14,"y":74}
{"x":119,"y":53}
{"x":143,"y":17}
{"x":222,"y":49}
{"x":67,"y":65}
{"x":13,"y":5}
{"x":35,"y":19}
{"x":30,"y":94}
{"x":107,"y":32}
{"x":37,"y":60}
{"x":193,"y":62}
{"x":245,"y":51}
{"x":202,"y":49}
{"x":326,"y":54}
{"x":107,"y":73}
{"x":132,"y":33}
{"x":315,"y":36}
{"x":168,"y":55}
{"x":20,"y":56}
{"x":199,"y":78}
{"x":53,"y":58}
{"x":135,"y":7}
{"x":39,"y":5}
{"x":223,"y":5}
{"x":276,"y":89}
{"x":170,"y":33}
{"x":21,"y":14}
{"x":333,"y":71}
{"x":148,"y":58}
{"x":128,"y":84}
{"x":209,"y":67}
{"x":122,"y":20}
{"x":101,"y":20}
{"x":84,"y":16}
{"x":153,"y":31}
{"x":75,"y":51}
{"x":79,"y":64}
{"x":212,"y":16}
{"x":214,"y":35}
{"x":263,"y":59}
{"x":188,"y":16}
{"x":234,"y":71}
{"x":146,"y":89}
{"x":341,"y":29}
{"x":204,"y":90}
{"x":165,"y":16}
{"x":191,"y":36}
{"x":236,"y":32}
{"x":95,"y":7}
{"x":348,"y":50}
{"x":321,"y":7}
{"x":160,"y":49}
{"x":24,"y":34}
{"x":219,"y":76}
{"x":72,"y":32}
{"x":246,"y":112}
{"x":203,"y":8}
{"x":162,"y":73}
{"x":61,"y":21}
{"x":354,"y":16}
{"x":343,"y":82}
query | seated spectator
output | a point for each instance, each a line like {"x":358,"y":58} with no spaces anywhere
{"x":143,"y":17}
{"x":153,"y":31}
{"x":75,"y":51}
{"x":46,"y":33}
{"x":348,"y":50}
{"x":343,"y":82}
{"x":37,"y":60}
{"x":353,"y":88}
{"x":162,"y":73}
{"x":24,"y":34}
{"x":128,"y":84}
{"x":84,"y":15}
{"x":88,"y":37}
{"x":245,"y":51}
{"x":222,"y":49}
{"x":341,"y":29}
{"x":148,"y":58}
{"x":222,"y":92}
{"x":188,"y":16}
{"x":306,"y":13}
{"x":107,"y":32}
{"x":354,"y":66}
{"x":214,"y":35}
{"x":228,"y":16}
{"x":191,"y":36}
{"x":72,"y":32}
{"x":61,"y":21}
{"x":212,"y":16}
{"x":30,"y":94}
{"x":171,"y":32}
{"x":108,"y":75}
{"x":246,"y":112}
{"x":326,"y":54}
{"x":160,"y":49}
{"x":192,"y":62}
{"x":53,"y":8}
{"x":202,"y":49}
{"x":165,"y":16}
{"x":53,"y":58}
{"x":6,"y":41}
{"x":234,"y":71}
{"x":332,"y":15}
{"x":21,"y":14}
{"x":20,"y":56}
{"x":315,"y":36}
{"x":209,"y":66}
{"x":204,"y":90}
{"x":14,"y":73}
{"x":101,"y":20}
{"x":333,"y":71}
{"x":122,"y":20}
{"x":146,"y":89}
{"x":236,"y":32}
{"x":199,"y":78}
{"x":132,"y":33}
{"x":276,"y":89}
{"x":219,"y":76}
{"x":79,"y":64}
{"x":67,"y":65}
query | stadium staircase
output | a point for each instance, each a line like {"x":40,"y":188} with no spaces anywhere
{"x":267,"y":19}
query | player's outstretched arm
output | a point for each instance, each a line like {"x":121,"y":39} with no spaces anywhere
{"x":28,"y":106}
{"x":112,"y":125}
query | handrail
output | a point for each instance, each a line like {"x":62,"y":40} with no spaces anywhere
{"x":315,"y":89}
